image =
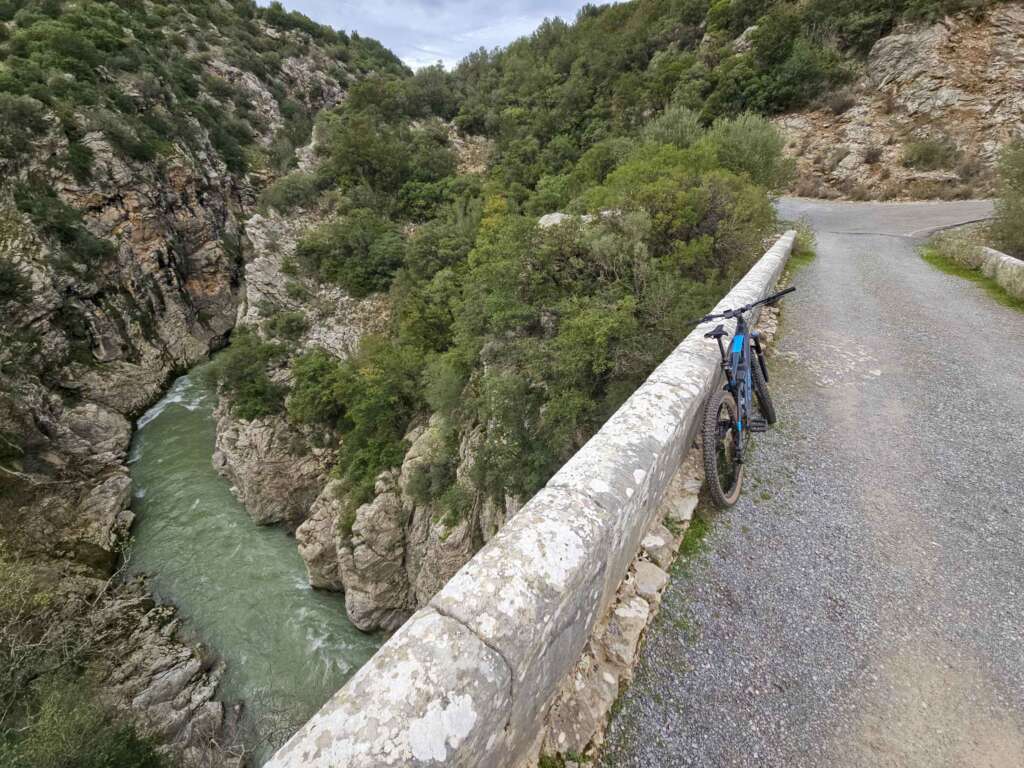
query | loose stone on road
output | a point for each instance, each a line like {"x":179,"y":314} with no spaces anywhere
{"x":862,"y":604}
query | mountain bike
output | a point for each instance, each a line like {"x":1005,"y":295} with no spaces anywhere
{"x":729,"y":417}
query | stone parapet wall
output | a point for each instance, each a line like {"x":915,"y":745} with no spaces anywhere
{"x":1005,"y":270}
{"x":467,"y":680}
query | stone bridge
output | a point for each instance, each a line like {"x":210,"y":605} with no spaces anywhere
{"x":467,"y":679}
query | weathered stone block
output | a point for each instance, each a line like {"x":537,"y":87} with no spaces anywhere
{"x":650,"y":580}
{"x":533,"y":594}
{"x":433,"y":695}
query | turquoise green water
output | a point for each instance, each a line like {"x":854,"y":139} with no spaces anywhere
{"x":241,"y":587}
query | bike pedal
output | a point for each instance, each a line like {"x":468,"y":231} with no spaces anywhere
{"x":757,"y":425}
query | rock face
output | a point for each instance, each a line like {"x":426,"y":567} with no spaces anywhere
{"x":959,"y":83}
{"x":317,"y":539}
{"x":395,"y":552}
{"x":273,"y":470}
{"x":370,"y":561}
{"x":171,"y":687}
{"x":389,"y":556}
{"x":86,"y":348}
{"x":277,"y":469}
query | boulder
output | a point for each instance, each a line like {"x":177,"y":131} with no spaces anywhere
{"x":316,"y":539}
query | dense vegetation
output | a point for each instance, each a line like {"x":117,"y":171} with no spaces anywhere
{"x":138,"y":72}
{"x":50,"y":714}
{"x":644,"y":115}
{"x":194,"y":83}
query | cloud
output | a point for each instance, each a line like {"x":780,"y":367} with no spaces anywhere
{"x":423,"y":32}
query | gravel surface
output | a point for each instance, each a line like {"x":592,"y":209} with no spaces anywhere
{"x":863,"y":603}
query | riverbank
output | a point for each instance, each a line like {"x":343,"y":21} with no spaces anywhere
{"x":240,"y":587}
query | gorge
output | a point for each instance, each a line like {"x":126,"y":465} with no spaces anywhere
{"x":407,"y":342}
{"x":241,"y":587}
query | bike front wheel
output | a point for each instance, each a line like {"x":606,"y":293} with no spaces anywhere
{"x":720,"y":438}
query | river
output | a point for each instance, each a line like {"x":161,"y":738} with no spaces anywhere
{"x":240,"y":587}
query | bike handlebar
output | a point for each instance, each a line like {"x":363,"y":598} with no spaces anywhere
{"x":731,"y":313}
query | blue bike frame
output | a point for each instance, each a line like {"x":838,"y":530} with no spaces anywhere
{"x":737,"y":365}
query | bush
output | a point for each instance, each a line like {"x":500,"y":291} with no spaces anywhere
{"x":295,"y":190}
{"x":930,"y":154}
{"x":316,"y":396}
{"x":1008,"y":226}
{"x":678,"y":126}
{"x":80,"y":161}
{"x":378,"y":393}
{"x":241,"y":371}
{"x":59,"y":221}
{"x":14,"y":286}
{"x":423,"y":200}
{"x":50,"y":715}
{"x":362,"y":148}
{"x":21,"y":120}
{"x":750,"y":144}
{"x":286,"y":325}
{"x":841,"y":101}
{"x":72,"y":729}
{"x":359,"y":252}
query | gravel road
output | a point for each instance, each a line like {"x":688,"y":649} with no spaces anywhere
{"x":863,"y":604}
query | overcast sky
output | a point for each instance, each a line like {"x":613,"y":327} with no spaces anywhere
{"x":423,"y":32}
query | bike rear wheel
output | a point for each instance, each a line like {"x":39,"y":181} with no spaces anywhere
{"x":724,"y":475}
{"x":764,"y":399}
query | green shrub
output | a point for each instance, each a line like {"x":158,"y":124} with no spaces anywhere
{"x":361,"y":148}
{"x":241,"y":371}
{"x":431,"y":479}
{"x":296,"y":190}
{"x":678,"y":126}
{"x":1008,"y":226}
{"x":601,"y":159}
{"x":14,"y":286}
{"x":423,"y":200}
{"x":455,"y":503}
{"x":21,"y":120}
{"x":286,"y":325}
{"x":317,"y":389}
{"x":71,"y":728}
{"x":359,"y":252}
{"x":80,"y":159}
{"x":553,"y":193}
{"x":50,"y":713}
{"x":750,"y":144}
{"x":930,"y":154}
{"x":132,"y":139}
{"x":60,"y":222}
{"x":378,"y":391}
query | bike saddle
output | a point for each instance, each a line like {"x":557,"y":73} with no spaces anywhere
{"x":717,"y":333}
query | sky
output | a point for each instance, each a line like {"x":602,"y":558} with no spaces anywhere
{"x":423,"y":32}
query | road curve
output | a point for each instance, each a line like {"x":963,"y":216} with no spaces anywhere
{"x":863,"y":604}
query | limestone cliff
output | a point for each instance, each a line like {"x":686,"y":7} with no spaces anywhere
{"x":123,"y":265}
{"x":395,"y":552}
{"x":927,"y":117}
{"x":276,"y":468}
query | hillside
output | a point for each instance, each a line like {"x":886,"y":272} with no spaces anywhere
{"x":433,"y":287}
{"x":492,"y":349}
{"x":135,"y":139}
{"x":926,"y":117}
